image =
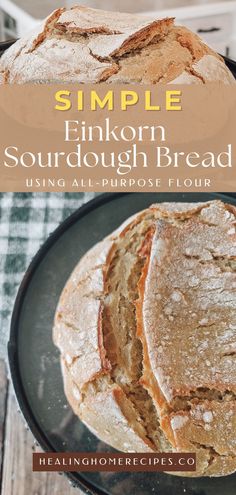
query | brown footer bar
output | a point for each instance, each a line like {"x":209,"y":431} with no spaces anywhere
{"x":103,"y":461}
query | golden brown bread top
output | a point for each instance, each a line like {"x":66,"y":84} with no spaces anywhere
{"x":146,"y":329}
{"x":80,"y":308}
{"x":190,"y":299}
{"x":91,"y":46}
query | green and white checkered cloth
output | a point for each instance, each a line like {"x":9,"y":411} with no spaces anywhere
{"x":26,"y":220}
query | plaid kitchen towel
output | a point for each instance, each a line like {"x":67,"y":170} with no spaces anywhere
{"x":26,"y":220}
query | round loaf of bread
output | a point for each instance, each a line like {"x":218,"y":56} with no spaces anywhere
{"x":146,"y":327}
{"x":84,"y":45}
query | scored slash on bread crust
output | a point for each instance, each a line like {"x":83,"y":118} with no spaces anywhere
{"x":189,"y":297}
{"x":146,"y":328}
{"x":91,"y":46}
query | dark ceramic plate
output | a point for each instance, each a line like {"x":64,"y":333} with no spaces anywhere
{"x":34,"y":361}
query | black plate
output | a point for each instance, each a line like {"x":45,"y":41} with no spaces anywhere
{"x":4,"y":45}
{"x":231,"y":64}
{"x":34,"y":361}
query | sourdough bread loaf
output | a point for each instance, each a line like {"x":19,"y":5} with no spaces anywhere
{"x":84,"y":45}
{"x":146,"y":327}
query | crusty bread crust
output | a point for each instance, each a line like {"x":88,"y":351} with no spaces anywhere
{"x":77,"y":333}
{"x":146,"y":329}
{"x":91,"y":46}
{"x":191,"y":303}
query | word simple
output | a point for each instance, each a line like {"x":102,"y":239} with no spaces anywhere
{"x":170,"y":100}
